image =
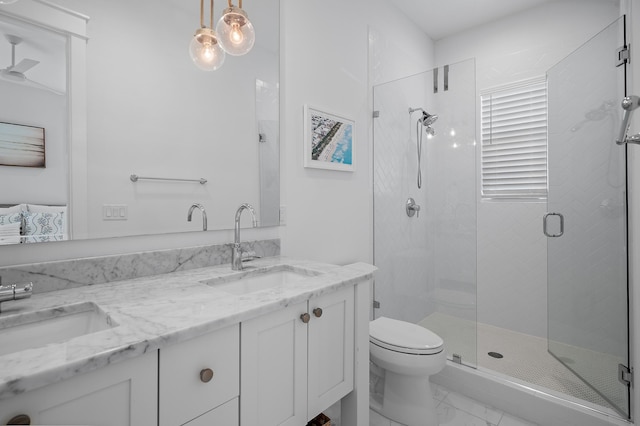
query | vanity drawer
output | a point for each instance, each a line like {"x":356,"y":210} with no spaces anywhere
{"x":227,"y":414}
{"x":198,"y":375}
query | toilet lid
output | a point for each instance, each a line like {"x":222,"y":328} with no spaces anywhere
{"x":402,"y":336}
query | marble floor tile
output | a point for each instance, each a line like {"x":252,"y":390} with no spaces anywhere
{"x":454,"y":409}
{"x":509,"y":420}
{"x":376,"y":419}
{"x":470,"y":406}
{"x":451,"y":416}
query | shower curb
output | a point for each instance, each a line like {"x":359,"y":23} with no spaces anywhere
{"x":520,"y":400}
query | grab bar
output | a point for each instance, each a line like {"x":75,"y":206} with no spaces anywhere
{"x":629,"y":104}
{"x":135,"y":178}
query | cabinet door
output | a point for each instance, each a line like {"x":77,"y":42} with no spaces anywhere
{"x":184,"y":393}
{"x":331,"y":349}
{"x":273,"y":366}
{"x":121,"y":394}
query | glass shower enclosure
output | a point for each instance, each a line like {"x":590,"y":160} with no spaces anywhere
{"x":427,"y":260}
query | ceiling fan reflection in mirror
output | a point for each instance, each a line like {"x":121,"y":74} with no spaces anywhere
{"x":16,"y":72}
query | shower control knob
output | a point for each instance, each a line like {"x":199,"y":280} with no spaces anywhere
{"x":412,"y":208}
{"x":305,"y":317}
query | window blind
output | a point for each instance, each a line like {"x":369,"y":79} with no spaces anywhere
{"x":514,"y":141}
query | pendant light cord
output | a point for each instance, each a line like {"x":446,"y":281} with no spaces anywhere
{"x":239,"y":3}
{"x":202,"y":15}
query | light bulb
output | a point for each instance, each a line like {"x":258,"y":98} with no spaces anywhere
{"x":205,"y":51}
{"x":235,"y":31}
{"x":236,"y":35}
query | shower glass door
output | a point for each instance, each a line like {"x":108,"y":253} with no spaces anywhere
{"x":587,"y":259}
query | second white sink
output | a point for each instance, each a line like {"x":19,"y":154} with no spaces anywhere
{"x":259,"y":281}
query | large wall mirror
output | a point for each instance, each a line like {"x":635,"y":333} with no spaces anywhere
{"x":149,"y":112}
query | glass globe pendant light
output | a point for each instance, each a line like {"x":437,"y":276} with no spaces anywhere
{"x":235,"y":31}
{"x":205,"y":50}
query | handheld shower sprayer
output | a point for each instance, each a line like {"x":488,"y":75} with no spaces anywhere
{"x":423,"y":123}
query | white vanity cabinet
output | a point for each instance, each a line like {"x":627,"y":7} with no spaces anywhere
{"x":124,"y":393}
{"x":297,"y":361}
{"x":199,"y":380}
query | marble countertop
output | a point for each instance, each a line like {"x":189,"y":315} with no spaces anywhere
{"x":152,"y":312}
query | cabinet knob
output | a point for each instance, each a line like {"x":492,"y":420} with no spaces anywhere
{"x":20,"y":419}
{"x":317,"y":312}
{"x":206,"y":375}
{"x":305,"y":317}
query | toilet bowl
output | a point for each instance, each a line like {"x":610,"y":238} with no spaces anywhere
{"x":408,"y":355}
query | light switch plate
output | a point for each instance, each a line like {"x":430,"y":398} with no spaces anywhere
{"x":115,"y":212}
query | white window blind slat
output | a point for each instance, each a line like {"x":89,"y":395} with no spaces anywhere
{"x":514,"y":142}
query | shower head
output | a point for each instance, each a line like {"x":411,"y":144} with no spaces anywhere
{"x":428,"y":119}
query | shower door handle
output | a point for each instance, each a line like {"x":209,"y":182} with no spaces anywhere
{"x":544,"y":225}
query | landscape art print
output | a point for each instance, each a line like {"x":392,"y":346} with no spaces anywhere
{"x":21,"y":146}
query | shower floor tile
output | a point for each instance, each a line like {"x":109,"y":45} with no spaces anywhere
{"x":525,"y":357}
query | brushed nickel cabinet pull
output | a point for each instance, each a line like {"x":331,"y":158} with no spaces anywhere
{"x":317,"y":312}
{"x":206,"y":375}
{"x":305,"y":317}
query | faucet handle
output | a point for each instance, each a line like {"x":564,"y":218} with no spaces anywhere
{"x":23,"y":291}
{"x":15,"y":292}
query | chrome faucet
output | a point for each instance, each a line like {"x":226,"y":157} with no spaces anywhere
{"x":236,"y":252}
{"x":15,"y":292}
{"x":204,"y":214}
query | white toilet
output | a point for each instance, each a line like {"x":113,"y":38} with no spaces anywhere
{"x":408,"y":354}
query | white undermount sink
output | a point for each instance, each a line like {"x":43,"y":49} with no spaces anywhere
{"x":254,"y":281}
{"x":56,"y":325}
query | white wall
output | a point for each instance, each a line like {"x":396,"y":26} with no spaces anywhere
{"x":38,"y":108}
{"x":511,"y":246}
{"x":329,"y":214}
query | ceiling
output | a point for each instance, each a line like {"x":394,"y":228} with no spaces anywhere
{"x":442,"y":18}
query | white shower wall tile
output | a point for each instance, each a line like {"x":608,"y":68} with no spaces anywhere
{"x":403,"y":247}
{"x":512,"y":273}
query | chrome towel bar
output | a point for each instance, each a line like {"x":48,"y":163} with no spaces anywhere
{"x":135,"y":178}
